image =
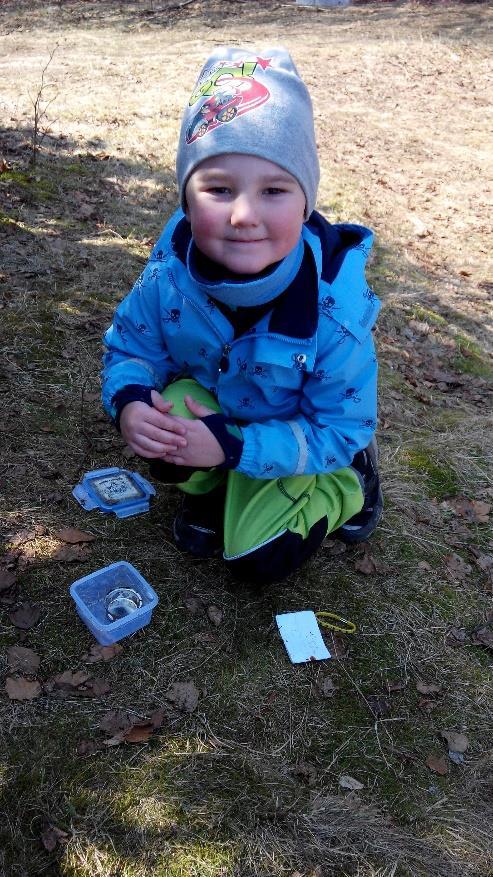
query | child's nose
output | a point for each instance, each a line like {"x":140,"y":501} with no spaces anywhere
{"x":244,"y":211}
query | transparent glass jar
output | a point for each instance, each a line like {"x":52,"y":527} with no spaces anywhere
{"x":121,"y":602}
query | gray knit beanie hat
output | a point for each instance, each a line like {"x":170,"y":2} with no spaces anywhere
{"x":254,"y":105}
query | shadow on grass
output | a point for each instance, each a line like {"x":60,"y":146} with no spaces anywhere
{"x":182,"y":807}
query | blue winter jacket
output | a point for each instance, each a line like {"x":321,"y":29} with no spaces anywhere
{"x":301,"y":383}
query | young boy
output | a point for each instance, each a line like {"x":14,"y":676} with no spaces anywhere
{"x":242,"y":364}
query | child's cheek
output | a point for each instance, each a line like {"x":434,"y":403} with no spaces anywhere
{"x":206,"y":225}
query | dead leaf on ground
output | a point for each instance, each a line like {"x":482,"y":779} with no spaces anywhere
{"x":438,"y":764}
{"x":439,"y":376}
{"x":52,"y":836}
{"x":427,"y":704}
{"x":395,"y":684}
{"x":205,"y":636}
{"x":215,"y":615}
{"x":473,"y":510}
{"x":96,"y":687}
{"x":7,"y":580}
{"x":334,"y":547}
{"x":49,"y":472}
{"x":484,"y":561}
{"x":457,"y":568}
{"x":327,"y":687}
{"x":85,"y":211}
{"x":102,"y":653}
{"x":347,"y":782}
{"x":71,"y":553}
{"x":78,"y":683}
{"x":19,"y":688}
{"x":115,"y":721}
{"x":74,"y":536}
{"x":428,"y":687}
{"x":10,"y":558}
{"x":456,"y":742}
{"x":25,"y":616}
{"x":456,"y":637}
{"x":157,"y":717}
{"x":480,"y":511}
{"x":305,"y":772}
{"x":27,"y":535}
{"x":483,"y":636}
{"x":54,"y":497}
{"x":420,"y":326}
{"x":69,"y":679}
{"x":194,"y":604}
{"x":127,"y":730}
{"x":366,"y":564}
{"x":183,"y":695}
{"x":139,"y":733}
{"x":87,"y":747}
{"x":21,"y":658}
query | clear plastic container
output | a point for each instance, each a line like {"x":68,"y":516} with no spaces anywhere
{"x":114,"y":490}
{"x":90,"y":595}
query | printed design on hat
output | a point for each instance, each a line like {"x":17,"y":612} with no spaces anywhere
{"x":230,"y":90}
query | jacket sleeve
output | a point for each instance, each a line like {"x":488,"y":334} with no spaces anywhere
{"x":136,"y":352}
{"x":336,"y":418}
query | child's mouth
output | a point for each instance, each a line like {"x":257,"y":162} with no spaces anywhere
{"x":245,"y":241}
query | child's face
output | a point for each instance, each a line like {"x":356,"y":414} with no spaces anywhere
{"x":246,"y":212}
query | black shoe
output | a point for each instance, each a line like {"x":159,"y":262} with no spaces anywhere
{"x":361,"y":526}
{"x":198,"y":526}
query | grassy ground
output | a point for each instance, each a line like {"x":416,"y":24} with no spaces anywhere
{"x":247,"y":782}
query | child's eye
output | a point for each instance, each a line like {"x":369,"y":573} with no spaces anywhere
{"x":219,"y":190}
{"x":273,"y":190}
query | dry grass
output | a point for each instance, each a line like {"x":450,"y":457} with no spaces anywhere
{"x":248,"y":785}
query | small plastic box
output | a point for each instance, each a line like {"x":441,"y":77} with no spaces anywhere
{"x":115,"y":490}
{"x":89,"y":594}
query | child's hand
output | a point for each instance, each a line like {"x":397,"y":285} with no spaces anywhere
{"x":202,"y":448}
{"x":152,"y":432}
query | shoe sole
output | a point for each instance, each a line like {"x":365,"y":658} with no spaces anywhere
{"x":361,"y":534}
{"x":192,"y":548}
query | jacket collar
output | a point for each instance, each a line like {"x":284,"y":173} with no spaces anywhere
{"x":287,"y":317}
{"x":334,"y":254}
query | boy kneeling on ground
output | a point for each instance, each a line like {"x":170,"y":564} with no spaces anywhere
{"x":242,"y":363}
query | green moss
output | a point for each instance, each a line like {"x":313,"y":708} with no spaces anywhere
{"x":76,"y":167}
{"x":392,"y":379}
{"x":428,"y":316}
{"x":202,"y":859}
{"x":19,"y":177}
{"x":441,"y":480}
{"x":43,"y":188}
{"x":6,"y":219}
{"x":471,"y":359}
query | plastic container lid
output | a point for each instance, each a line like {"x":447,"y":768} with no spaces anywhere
{"x":90,"y":593}
{"x":115,"y":490}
